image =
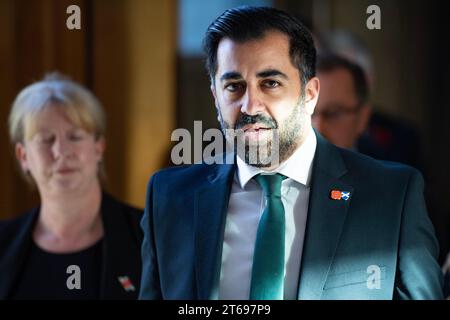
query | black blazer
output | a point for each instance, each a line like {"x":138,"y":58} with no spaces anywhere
{"x":121,"y":249}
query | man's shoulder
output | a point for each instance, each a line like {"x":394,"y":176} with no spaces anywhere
{"x":184,"y":171}
{"x":367,"y":166}
{"x":187,"y":176}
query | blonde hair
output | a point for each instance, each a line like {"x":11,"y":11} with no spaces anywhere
{"x":77,"y":103}
{"x":80,"y":106}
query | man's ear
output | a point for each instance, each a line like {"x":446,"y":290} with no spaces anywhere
{"x":21,"y":156}
{"x":364,"y":115}
{"x":312,"y":90}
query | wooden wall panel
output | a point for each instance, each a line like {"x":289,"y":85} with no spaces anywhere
{"x":151,"y":80}
{"x":124,"y":52}
{"x":109,"y":83}
{"x":7,"y":87}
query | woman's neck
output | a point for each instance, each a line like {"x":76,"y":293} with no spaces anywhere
{"x":69,"y":223}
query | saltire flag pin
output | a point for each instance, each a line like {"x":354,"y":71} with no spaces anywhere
{"x":126,"y":283}
{"x":340,"y":195}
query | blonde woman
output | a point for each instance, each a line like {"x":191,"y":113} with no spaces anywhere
{"x":80,"y":243}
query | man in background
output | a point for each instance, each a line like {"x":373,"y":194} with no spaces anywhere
{"x":343,"y":110}
{"x":384,"y":136}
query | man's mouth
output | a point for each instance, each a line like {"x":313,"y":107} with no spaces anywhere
{"x":255,"y":132}
{"x":254,"y":128}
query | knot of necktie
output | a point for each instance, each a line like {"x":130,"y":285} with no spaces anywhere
{"x":271,"y":184}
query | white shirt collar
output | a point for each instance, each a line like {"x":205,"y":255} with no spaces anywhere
{"x":297,"y":167}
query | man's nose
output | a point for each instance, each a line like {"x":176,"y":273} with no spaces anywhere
{"x":252,"y":102}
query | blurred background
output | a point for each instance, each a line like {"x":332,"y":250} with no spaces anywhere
{"x":143,"y":60}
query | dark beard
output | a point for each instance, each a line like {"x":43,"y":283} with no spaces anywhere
{"x":282,"y":145}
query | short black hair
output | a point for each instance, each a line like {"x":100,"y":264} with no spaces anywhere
{"x":328,"y":62}
{"x":246,"y":23}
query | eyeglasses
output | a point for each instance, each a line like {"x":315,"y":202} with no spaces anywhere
{"x":337,"y":112}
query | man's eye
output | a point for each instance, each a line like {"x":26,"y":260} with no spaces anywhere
{"x":271,"y":84}
{"x":233,"y":87}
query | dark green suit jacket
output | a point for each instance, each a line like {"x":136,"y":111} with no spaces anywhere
{"x":379,"y":244}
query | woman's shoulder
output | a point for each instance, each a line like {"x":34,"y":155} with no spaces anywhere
{"x":118,"y":210}
{"x":15,"y":223}
{"x":111,"y":203}
{"x":121,"y":218}
{"x":11,"y":230}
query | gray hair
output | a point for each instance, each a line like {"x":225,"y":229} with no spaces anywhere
{"x":77,"y":102}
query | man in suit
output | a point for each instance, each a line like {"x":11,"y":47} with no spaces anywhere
{"x":319,"y":223}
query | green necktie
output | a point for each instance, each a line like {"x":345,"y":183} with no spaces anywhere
{"x":268,"y":258}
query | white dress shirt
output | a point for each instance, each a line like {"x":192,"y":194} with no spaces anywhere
{"x":245,"y":208}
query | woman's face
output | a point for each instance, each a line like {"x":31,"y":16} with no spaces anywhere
{"x":60,"y":156}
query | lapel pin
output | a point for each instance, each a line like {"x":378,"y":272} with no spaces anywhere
{"x":126,"y":283}
{"x":340,"y":195}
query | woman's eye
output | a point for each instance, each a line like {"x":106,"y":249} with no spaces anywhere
{"x":45,"y":139}
{"x":76,"y":136}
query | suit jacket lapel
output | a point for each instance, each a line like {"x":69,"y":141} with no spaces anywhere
{"x":325,"y":219}
{"x":211,"y":203}
{"x":118,"y":243}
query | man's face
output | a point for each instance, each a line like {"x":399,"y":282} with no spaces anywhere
{"x":257,"y":89}
{"x":339,"y":116}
